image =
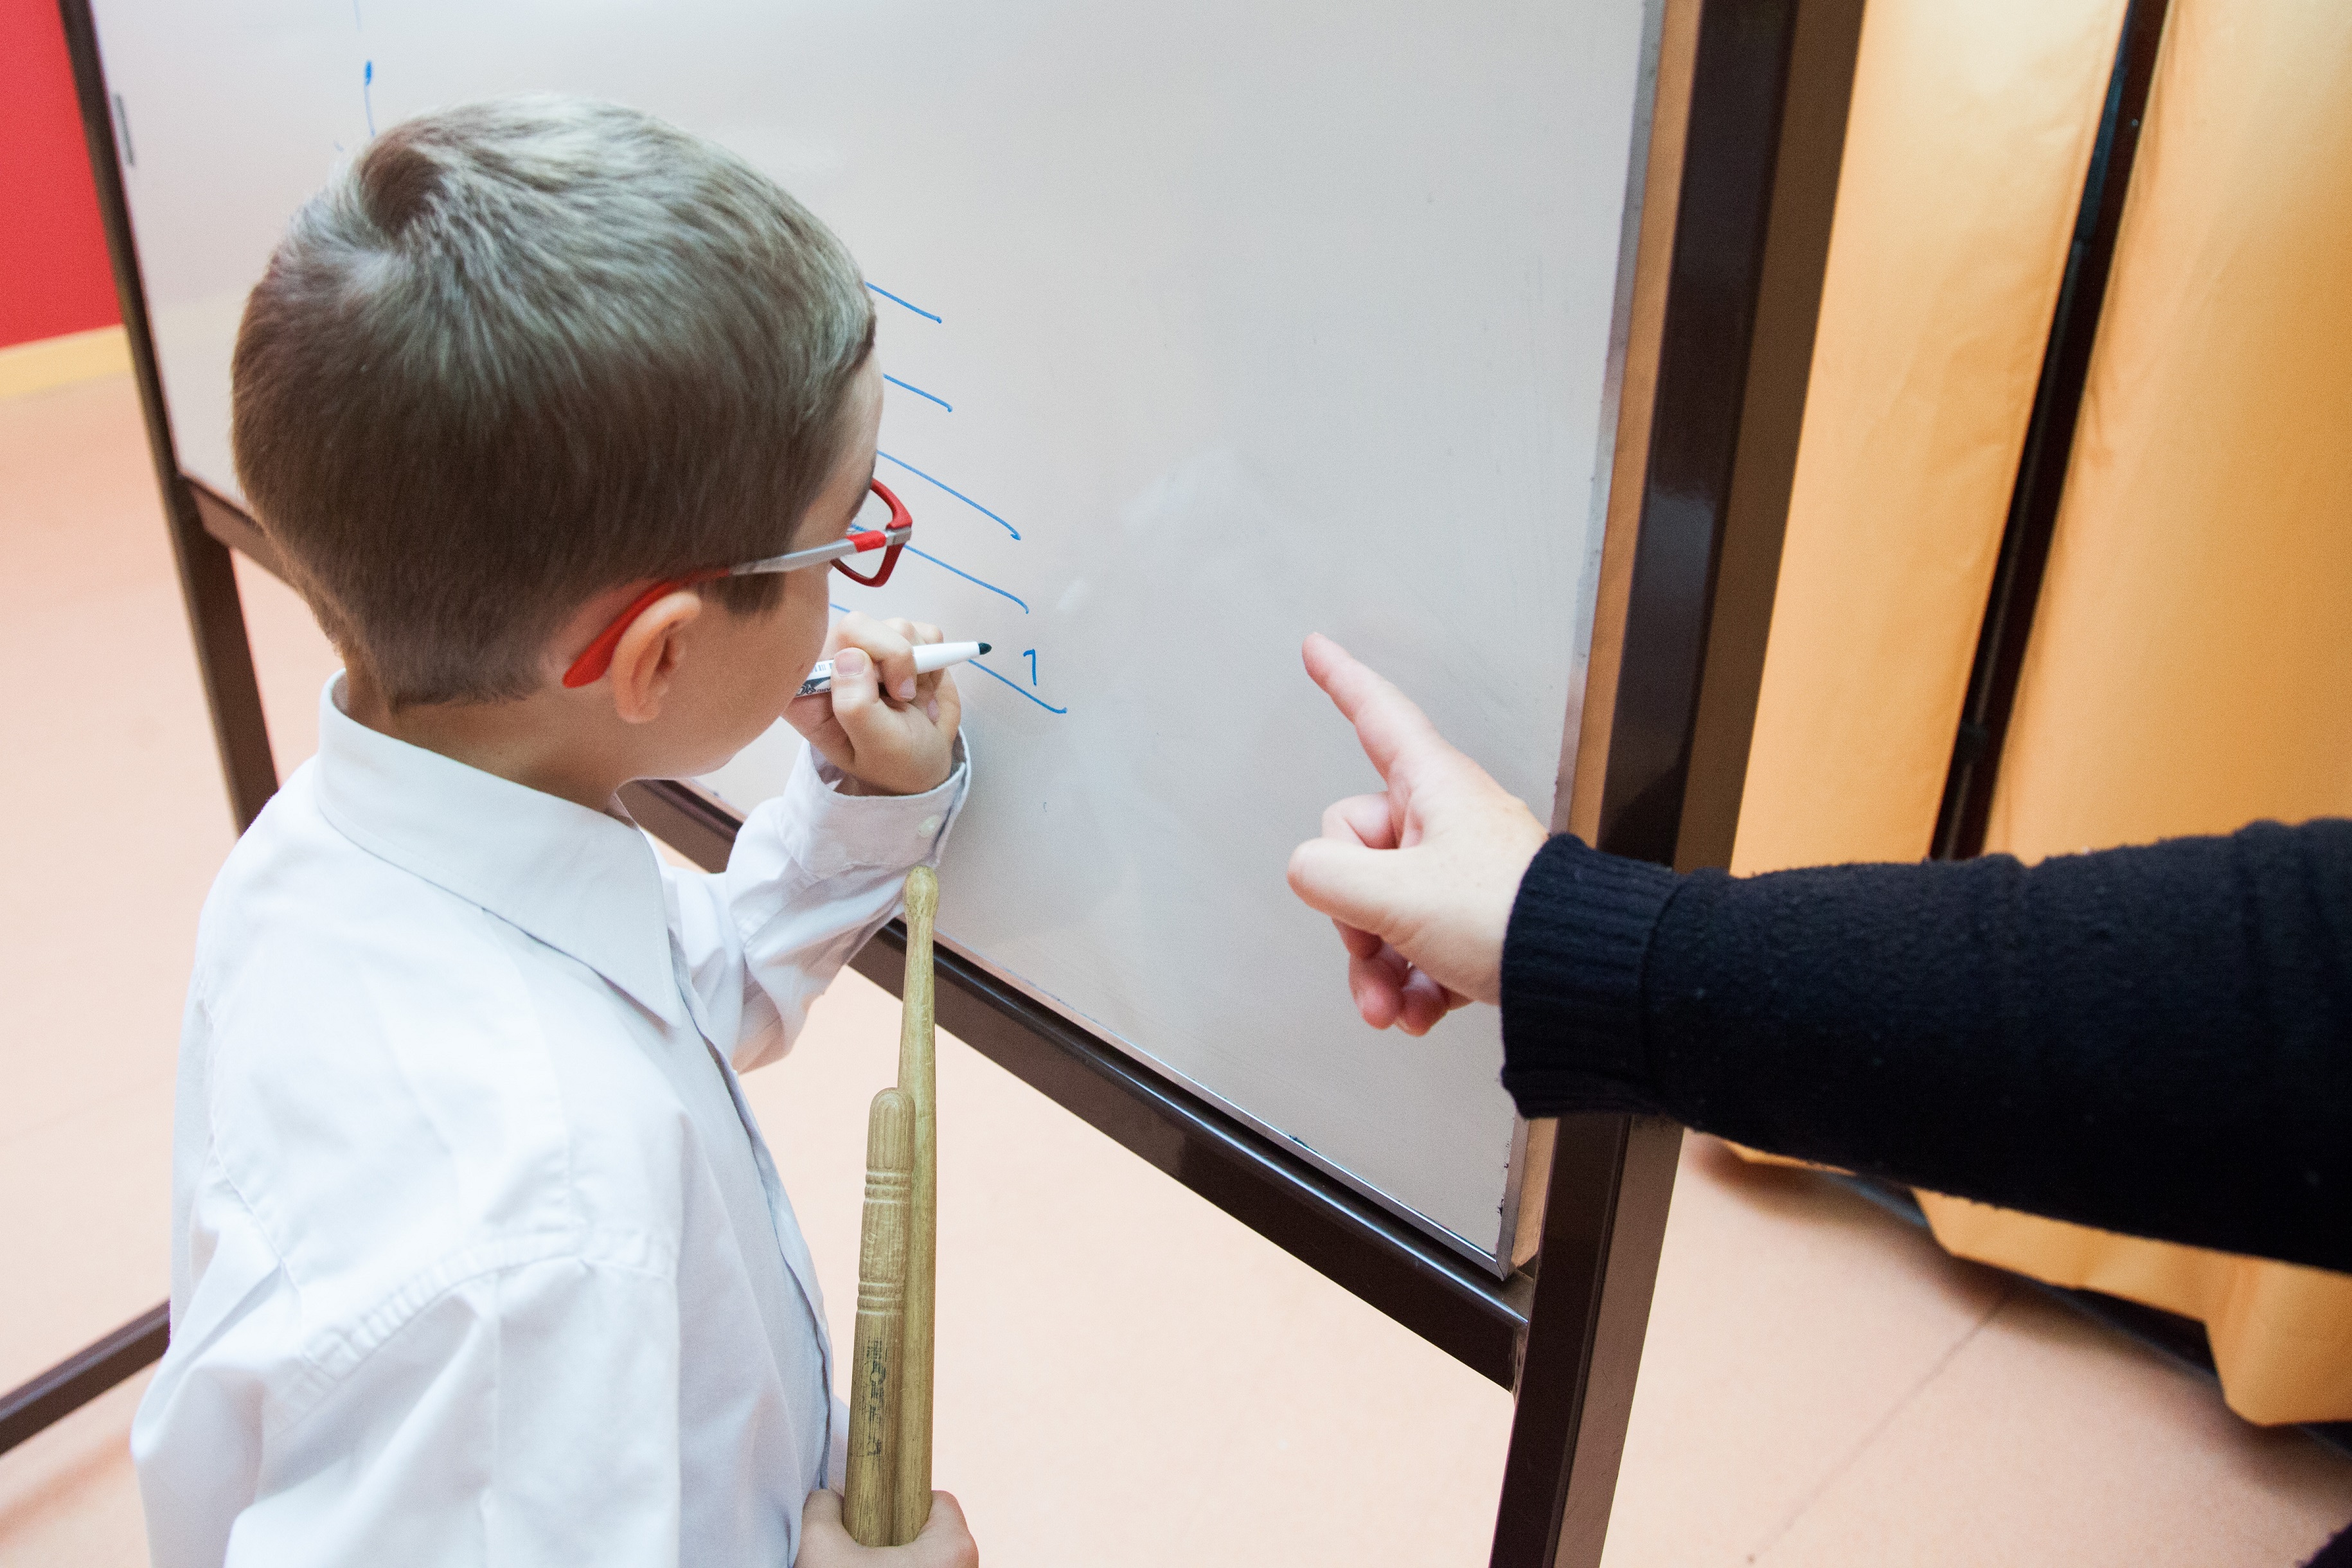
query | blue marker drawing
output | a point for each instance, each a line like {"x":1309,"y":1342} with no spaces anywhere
{"x":950,"y":489}
{"x":969,"y":578}
{"x":942,"y":402}
{"x":1031,"y":655}
{"x":367,"y":94}
{"x":908,"y":304}
{"x":1038,"y":701}
{"x":843,"y":609}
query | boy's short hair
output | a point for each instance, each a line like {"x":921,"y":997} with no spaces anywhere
{"x":522,"y":351}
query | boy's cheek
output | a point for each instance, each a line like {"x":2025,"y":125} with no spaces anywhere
{"x":801,"y":621}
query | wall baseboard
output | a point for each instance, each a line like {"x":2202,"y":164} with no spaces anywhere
{"x":62,"y":360}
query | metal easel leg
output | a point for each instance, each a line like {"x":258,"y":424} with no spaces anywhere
{"x":207,"y":574}
{"x":1605,"y":1206}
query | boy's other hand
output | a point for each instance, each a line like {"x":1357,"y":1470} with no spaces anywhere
{"x":1419,"y":879}
{"x":891,"y":731}
{"x":825,"y":1542}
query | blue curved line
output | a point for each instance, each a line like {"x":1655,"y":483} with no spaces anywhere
{"x":1038,"y":701}
{"x":910,"y":304}
{"x":918,"y":392}
{"x":950,"y":489}
{"x":969,"y":577}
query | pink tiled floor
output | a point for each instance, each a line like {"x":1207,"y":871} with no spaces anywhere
{"x":1128,"y":1377}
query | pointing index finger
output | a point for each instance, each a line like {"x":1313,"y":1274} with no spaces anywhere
{"x":1391,"y":731}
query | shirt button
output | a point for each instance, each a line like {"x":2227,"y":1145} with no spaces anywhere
{"x":928,"y":827}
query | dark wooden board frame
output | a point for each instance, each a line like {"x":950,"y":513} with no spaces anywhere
{"x":1769,"y":83}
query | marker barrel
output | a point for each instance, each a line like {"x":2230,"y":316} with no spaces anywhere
{"x":930,"y":658}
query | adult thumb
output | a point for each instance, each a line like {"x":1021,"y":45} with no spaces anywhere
{"x":1355,"y":886}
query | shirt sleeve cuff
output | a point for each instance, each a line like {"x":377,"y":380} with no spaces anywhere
{"x":830,"y":833}
{"x":1572,"y":960}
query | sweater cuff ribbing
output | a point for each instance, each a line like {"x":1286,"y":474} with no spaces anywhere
{"x":1572,"y":962}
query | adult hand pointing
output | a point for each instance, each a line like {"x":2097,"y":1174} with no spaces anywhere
{"x":1420,"y":878}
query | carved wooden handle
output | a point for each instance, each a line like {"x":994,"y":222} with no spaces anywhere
{"x":869,"y":1504}
{"x":919,"y":1079}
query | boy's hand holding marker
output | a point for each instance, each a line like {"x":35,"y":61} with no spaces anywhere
{"x":1420,"y":878}
{"x":889,"y":726}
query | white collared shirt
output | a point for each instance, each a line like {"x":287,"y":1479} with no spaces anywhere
{"x":478,"y":1254}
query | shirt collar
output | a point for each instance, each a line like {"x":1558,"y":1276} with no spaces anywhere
{"x":584,"y":883}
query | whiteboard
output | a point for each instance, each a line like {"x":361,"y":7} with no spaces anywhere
{"x":1210,"y":324}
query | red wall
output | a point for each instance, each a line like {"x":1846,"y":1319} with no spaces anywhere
{"x":53,"y":270}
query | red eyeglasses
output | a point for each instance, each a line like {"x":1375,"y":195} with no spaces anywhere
{"x":889,"y":539}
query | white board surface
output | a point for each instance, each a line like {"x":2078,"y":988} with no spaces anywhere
{"x":1212,"y":325}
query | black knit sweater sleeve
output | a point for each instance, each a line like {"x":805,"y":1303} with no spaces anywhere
{"x":2151,"y":1040}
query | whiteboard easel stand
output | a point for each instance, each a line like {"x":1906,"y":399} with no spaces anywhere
{"x":1751,"y":97}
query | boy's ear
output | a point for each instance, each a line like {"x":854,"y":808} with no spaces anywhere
{"x":648,"y":657}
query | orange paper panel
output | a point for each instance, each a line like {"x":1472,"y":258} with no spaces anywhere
{"x":1966,"y":153}
{"x":2190,"y":668}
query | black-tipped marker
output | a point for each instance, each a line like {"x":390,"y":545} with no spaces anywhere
{"x":928,"y":657}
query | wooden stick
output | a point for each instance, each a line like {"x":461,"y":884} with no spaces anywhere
{"x":869,"y":1504}
{"x":919,"y":1079}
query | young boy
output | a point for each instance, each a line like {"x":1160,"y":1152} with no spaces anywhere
{"x":478,"y":1254}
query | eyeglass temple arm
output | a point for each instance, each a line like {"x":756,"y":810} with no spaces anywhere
{"x":824,"y":553}
{"x":597,"y":657}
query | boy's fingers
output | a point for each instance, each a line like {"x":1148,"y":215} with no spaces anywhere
{"x":855,"y":698}
{"x":890,"y":649}
{"x":946,"y":1519}
{"x":899,"y":751}
{"x":1392,"y":732}
{"x":812,"y":717}
{"x":945,"y":707}
{"x":915,"y":632}
{"x":945,"y":1540}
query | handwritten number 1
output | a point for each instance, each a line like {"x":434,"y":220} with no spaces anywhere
{"x":1031,"y":655}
